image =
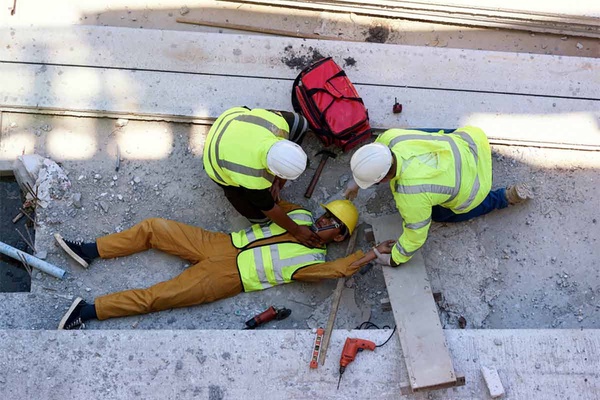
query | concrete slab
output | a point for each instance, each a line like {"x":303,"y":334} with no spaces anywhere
{"x":280,"y":58}
{"x":268,"y":364}
{"x":175,"y":95}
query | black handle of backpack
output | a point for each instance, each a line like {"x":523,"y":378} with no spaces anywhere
{"x":295,"y":103}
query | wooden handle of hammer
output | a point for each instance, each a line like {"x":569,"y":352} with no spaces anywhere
{"x":315,"y":178}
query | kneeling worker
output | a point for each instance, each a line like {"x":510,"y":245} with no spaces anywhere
{"x":248,"y":154}
{"x":256,"y":258}
{"x":433,"y":176}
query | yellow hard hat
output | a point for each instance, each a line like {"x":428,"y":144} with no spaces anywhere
{"x":345,"y":211}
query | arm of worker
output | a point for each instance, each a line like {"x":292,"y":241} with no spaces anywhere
{"x":351,"y":190}
{"x":341,"y":267}
{"x":263,"y":200}
{"x":276,"y":187}
{"x":301,"y":232}
{"x":416,"y":220}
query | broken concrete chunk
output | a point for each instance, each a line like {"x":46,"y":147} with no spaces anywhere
{"x":97,"y":177}
{"x":76,"y":199}
{"x":104,"y":206}
{"x":121,"y":122}
{"x":41,"y":255}
{"x":137,"y":179}
{"x":492,"y":380}
{"x":184,"y":10}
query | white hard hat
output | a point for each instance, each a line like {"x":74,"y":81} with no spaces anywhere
{"x":370,"y":164}
{"x":286,"y":159}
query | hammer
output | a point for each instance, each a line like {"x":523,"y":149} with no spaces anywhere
{"x":325,"y":154}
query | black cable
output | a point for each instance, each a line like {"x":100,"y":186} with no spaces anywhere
{"x":369,"y":325}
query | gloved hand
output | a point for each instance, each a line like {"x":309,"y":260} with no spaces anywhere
{"x":351,"y":190}
{"x":382,"y":259}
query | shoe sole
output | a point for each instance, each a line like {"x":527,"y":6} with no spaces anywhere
{"x":64,"y":319}
{"x":70,"y":252}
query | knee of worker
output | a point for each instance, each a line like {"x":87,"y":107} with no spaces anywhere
{"x":152,"y":227}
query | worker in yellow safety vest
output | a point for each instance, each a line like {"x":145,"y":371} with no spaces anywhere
{"x":223,"y":265}
{"x":433,"y":176}
{"x":250,"y":154}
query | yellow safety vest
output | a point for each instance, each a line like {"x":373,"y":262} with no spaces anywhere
{"x":452,"y":170}
{"x":256,"y":232}
{"x":262,"y":267}
{"x":235,"y":153}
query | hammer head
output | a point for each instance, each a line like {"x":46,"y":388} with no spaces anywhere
{"x":326,"y":154}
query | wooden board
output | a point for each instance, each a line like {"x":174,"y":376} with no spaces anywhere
{"x":172,"y":95}
{"x":423,"y":343}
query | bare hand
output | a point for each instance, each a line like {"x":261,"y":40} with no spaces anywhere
{"x":307,"y":237}
{"x":351,"y":190}
{"x":386,"y":247}
{"x":276,"y":187}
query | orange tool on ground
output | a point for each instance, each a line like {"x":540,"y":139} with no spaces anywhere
{"x":351,"y":347}
{"x":314,"y":362}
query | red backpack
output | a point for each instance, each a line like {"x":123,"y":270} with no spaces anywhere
{"x":325,"y":96}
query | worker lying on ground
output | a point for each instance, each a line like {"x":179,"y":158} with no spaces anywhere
{"x":433,"y":176}
{"x":223,"y":265}
{"x":248,"y":154}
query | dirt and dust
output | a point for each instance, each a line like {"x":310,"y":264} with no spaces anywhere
{"x":300,"y":58}
{"x":377,"y":34}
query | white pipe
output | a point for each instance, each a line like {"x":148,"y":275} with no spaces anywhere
{"x":31,"y":260}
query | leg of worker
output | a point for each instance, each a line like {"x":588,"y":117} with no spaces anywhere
{"x":495,"y":200}
{"x":207,"y":281}
{"x":186,"y":241}
{"x":240,"y":202}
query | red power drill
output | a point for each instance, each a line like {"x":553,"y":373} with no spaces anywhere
{"x":351,"y":347}
{"x":270,"y":314}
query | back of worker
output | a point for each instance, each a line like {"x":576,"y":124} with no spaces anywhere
{"x":453,"y":170}
{"x":435,"y":169}
{"x":237,"y":146}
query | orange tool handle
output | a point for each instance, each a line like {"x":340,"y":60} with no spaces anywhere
{"x":351,"y":347}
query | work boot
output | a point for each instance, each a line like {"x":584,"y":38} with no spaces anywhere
{"x":72,"y":318}
{"x":518,"y":193}
{"x":75,"y":250}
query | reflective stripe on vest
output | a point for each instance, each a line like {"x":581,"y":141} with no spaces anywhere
{"x":402,"y":251}
{"x":270,"y":265}
{"x":217,"y":138}
{"x":219,"y":165}
{"x":473,"y":147}
{"x":256,"y":232}
{"x":432,"y":188}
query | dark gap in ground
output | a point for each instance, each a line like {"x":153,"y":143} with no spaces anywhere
{"x":13,"y":276}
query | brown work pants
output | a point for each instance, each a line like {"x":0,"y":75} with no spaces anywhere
{"x":214,"y":274}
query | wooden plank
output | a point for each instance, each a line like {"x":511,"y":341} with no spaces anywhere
{"x":439,"y":17}
{"x":337,"y":295}
{"x":425,"y":351}
{"x":197,"y":96}
{"x":268,"y":57}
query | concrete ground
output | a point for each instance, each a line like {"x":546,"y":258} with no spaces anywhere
{"x":530,"y":266}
